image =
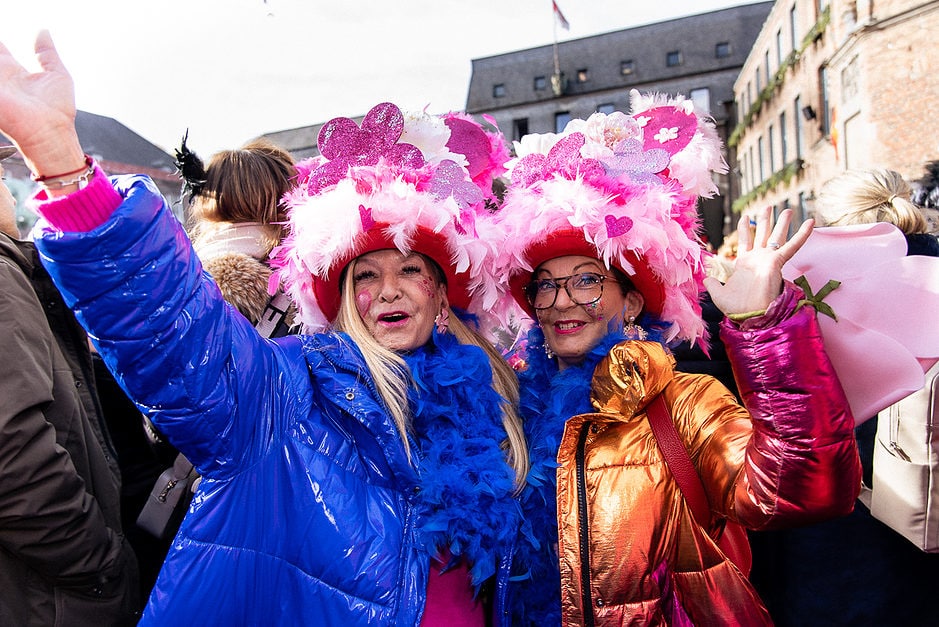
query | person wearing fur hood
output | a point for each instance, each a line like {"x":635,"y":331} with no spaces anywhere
{"x":236,"y":219}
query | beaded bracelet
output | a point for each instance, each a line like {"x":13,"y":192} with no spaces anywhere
{"x":78,"y":177}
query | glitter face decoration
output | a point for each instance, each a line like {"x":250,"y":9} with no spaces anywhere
{"x":363,"y":302}
{"x":397,"y":298}
{"x":427,"y":286}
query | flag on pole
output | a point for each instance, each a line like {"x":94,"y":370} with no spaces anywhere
{"x":560,"y":16}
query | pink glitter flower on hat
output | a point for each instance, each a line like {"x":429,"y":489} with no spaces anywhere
{"x":346,"y":145}
{"x":451,"y":180}
{"x":632,"y":160}
{"x":563,"y":159}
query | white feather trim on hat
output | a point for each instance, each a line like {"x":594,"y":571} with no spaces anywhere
{"x":629,"y":185}
{"x":370,"y":190}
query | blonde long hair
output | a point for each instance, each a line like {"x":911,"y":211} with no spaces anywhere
{"x":868,"y":196}
{"x":392,"y":378}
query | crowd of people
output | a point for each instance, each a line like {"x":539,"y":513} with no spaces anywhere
{"x":377,"y":454}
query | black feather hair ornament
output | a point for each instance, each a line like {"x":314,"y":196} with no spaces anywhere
{"x":190,"y":167}
{"x":926,"y":189}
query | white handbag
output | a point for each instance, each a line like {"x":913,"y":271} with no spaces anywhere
{"x":905,"y":488}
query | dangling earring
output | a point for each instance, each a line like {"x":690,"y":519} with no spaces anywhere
{"x":633,"y":331}
{"x":443,"y":321}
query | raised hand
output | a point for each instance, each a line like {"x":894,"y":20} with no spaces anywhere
{"x":37,"y":110}
{"x":757,"y":277}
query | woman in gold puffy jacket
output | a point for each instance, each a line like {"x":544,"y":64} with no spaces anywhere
{"x":599,"y":247}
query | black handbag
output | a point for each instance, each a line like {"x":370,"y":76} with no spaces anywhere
{"x":169,"y":500}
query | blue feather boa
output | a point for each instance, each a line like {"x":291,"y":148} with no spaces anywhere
{"x":466,"y":508}
{"x":548,"y":398}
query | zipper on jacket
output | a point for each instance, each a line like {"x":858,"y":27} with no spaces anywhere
{"x":585,"y":595}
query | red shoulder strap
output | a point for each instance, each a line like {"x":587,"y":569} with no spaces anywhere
{"x":678,"y":460}
{"x":733,"y":541}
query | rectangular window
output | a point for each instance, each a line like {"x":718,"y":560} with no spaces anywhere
{"x":582,"y":75}
{"x":803,"y":206}
{"x":766,"y":66}
{"x":759,"y":157}
{"x":541,"y":83}
{"x":783,"y":138}
{"x":823,"y":89}
{"x":627,"y":67}
{"x":561,"y":118}
{"x":498,"y":90}
{"x":772,"y":149}
{"x":519,"y":128}
{"x":849,"y":81}
{"x":722,"y":49}
{"x":751,"y":169}
{"x":701,"y":99}
{"x":793,"y":28}
{"x":779,"y":48}
{"x":673,"y":58}
{"x":606,"y":108}
{"x":759,"y":81}
{"x":797,"y":116}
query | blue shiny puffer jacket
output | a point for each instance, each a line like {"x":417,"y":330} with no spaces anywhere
{"x":305,"y":512}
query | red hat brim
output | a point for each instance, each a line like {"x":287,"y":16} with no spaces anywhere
{"x":572,"y":242}
{"x":424,"y":241}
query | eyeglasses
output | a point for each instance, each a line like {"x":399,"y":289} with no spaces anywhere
{"x":585,"y":288}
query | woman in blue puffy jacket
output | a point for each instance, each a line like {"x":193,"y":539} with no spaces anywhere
{"x":364,"y":475}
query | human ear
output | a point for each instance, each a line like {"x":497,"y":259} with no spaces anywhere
{"x":634,"y":304}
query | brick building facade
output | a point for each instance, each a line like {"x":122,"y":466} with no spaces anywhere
{"x":831,"y":86}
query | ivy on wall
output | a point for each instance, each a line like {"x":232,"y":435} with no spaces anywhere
{"x":767,"y":93}
{"x":780,"y":176}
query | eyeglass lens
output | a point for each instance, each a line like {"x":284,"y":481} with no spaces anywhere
{"x":583,"y":289}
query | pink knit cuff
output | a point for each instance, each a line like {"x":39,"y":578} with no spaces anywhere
{"x":82,"y":210}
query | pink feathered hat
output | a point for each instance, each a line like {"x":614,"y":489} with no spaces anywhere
{"x":415,"y":183}
{"x":621,"y":188}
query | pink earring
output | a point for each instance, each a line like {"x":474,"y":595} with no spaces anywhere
{"x":633,"y":331}
{"x":443,"y":321}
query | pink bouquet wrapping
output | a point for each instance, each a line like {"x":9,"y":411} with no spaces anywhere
{"x":880,"y":324}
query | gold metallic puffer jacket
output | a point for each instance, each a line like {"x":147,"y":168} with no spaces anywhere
{"x":630,"y":551}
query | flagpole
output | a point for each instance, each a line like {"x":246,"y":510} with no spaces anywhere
{"x":556,"y":78}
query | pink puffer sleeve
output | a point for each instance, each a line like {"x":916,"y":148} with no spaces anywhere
{"x":802,"y":461}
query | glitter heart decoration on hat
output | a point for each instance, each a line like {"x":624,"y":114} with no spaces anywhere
{"x":563,"y":159}
{"x":641,"y":166}
{"x":346,"y":145}
{"x":449,"y":181}
{"x":617,"y":226}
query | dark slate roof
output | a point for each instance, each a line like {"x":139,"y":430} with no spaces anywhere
{"x":301,"y":142}
{"x":106,"y":139}
{"x":695,"y":37}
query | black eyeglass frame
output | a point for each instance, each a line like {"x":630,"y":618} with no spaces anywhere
{"x":565,"y":281}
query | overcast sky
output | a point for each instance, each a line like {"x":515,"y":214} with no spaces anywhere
{"x":229,"y":70}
